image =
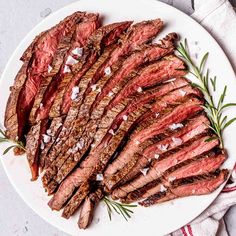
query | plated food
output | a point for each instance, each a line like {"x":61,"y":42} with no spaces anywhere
{"x":105,"y":111}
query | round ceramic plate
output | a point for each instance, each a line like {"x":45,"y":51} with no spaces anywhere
{"x":160,"y":219}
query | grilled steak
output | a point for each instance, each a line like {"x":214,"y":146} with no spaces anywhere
{"x":87,"y":210}
{"x":151,"y":28}
{"x":198,"y":166}
{"x":197,"y":185}
{"x":188,"y":151}
{"x":87,"y":139}
{"x":193,"y":127}
{"x":27,"y":84}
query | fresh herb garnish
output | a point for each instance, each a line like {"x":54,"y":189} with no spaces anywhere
{"x":119,"y":208}
{"x":4,"y":139}
{"x":207,"y":84}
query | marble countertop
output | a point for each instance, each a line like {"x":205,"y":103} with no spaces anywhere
{"x":17,"y":18}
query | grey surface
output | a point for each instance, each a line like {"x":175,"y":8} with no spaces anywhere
{"x":17,"y":18}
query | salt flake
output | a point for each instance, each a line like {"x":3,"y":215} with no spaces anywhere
{"x":77,"y":51}
{"x":94,"y":87}
{"x":111,"y":131}
{"x":175,"y":126}
{"x":42,"y":146}
{"x":137,"y":142}
{"x":107,"y":70}
{"x":99,"y":177}
{"x":144,"y":171}
{"x":46,"y":138}
{"x":163,"y":147}
{"x":125,"y":117}
{"x":170,"y":80}
{"x":66,"y":69}
{"x":75,"y":93}
{"x":110,"y":94}
{"x":162,"y":188}
{"x":171,"y":178}
{"x":156,"y":156}
{"x":157,"y":114}
{"x":49,"y":132}
{"x":139,"y":90}
{"x":182,"y":92}
{"x":71,"y":61}
{"x":177,"y":141}
{"x":49,"y":68}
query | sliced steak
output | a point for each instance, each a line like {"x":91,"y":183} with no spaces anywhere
{"x":158,"y":126}
{"x":197,"y":185}
{"x":76,"y":37}
{"x":193,"y":127}
{"x":33,"y":142}
{"x":23,"y":96}
{"x":92,"y":51}
{"x":76,"y":140}
{"x":98,"y":162}
{"x":197,"y":166}
{"x":88,"y":207}
{"x":185,"y":152}
{"x":126,"y":48}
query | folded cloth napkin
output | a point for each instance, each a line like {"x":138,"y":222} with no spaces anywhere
{"x":219,"y":18}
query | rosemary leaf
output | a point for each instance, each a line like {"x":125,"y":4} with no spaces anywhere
{"x":203,"y":62}
{"x":229,"y":123}
{"x":8,"y":149}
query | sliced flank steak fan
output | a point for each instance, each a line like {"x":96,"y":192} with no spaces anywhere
{"x":106,"y":111}
{"x":28,"y":81}
{"x":91,"y":127}
{"x":140,"y":32}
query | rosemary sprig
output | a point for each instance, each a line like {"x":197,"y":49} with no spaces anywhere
{"x":207,"y":84}
{"x":119,"y":208}
{"x":4,"y":139}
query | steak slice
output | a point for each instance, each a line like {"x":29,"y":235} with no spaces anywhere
{"x":23,"y":93}
{"x":185,"y":152}
{"x":33,"y":141}
{"x":198,"y":166}
{"x":196,"y":185}
{"x":98,"y":163}
{"x":73,"y":39}
{"x":88,"y":207}
{"x":194,"y":127}
{"x":75,"y":140}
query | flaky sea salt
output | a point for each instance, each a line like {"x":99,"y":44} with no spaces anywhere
{"x":42,"y":146}
{"x":144,"y":171}
{"x":111,"y":131}
{"x":77,"y":51}
{"x":94,"y":87}
{"x":110,"y":94}
{"x":41,"y":105}
{"x":46,"y":138}
{"x":66,"y":69}
{"x":99,"y":177}
{"x":49,"y":132}
{"x":156,"y":156}
{"x":107,"y":70}
{"x":177,"y":141}
{"x":137,"y":142}
{"x":182,"y":92}
{"x":49,"y":68}
{"x":75,"y":93}
{"x":157,"y":114}
{"x":171,"y":178}
{"x":71,"y":61}
{"x":163,"y":147}
{"x":139,"y":90}
{"x":162,"y":188}
{"x":175,"y":126}
{"x":125,"y":117}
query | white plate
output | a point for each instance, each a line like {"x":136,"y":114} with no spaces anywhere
{"x":160,"y":219}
